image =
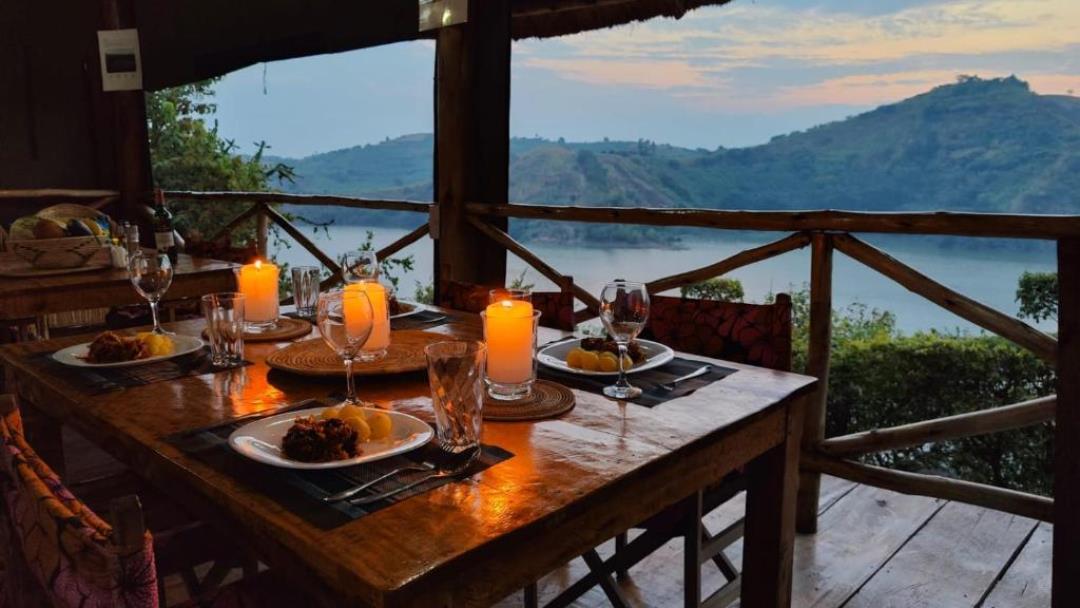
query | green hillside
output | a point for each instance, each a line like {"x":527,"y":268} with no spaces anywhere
{"x":976,"y":145}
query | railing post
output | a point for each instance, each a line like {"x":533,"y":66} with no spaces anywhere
{"x":1065,"y":589}
{"x":262,"y":232}
{"x":817,"y":365}
{"x":472,"y":140}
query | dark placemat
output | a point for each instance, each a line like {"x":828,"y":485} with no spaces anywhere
{"x":648,"y":381}
{"x":422,"y":320}
{"x":98,"y":380}
{"x":301,"y":491}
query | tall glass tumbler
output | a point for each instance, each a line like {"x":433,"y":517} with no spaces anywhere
{"x":305,"y":284}
{"x":456,"y":376}
{"x":224,"y":314}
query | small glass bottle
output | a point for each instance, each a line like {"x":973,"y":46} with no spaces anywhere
{"x":164,"y":240}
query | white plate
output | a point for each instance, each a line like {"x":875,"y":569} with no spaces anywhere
{"x":415,"y":309}
{"x":554,"y":356}
{"x":74,"y":355}
{"x":261,"y":440}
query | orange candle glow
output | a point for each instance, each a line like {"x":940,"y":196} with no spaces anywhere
{"x":508,"y":331}
{"x":259,"y":284}
{"x":357,"y":314}
{"x":380,"y":330}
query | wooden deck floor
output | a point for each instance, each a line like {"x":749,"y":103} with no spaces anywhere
{"x":874,"y":549}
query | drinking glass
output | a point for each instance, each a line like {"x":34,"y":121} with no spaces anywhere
{"x":359,"y":266}
{"x":151,"y":274}
{"x":624,"y":309}
{"x":224,"y":314}
{"x":456,"y":377}
{"x":344,"y":319}
{"x":505,"y":293}
{"x":305,"y":284}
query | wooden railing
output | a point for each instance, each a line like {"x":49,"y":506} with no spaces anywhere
{"x":829,"y":231}
{"x":824,"y":232}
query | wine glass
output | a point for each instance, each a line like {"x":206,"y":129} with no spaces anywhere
{"x":357,"y":266}
{"x":624,"y":309}
{"x":345,"y":319}
{"x":151,"y":274}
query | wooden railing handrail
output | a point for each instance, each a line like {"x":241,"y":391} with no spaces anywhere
{"x":58,"y":193}
{"x":352,"y":202}
{"x":738,"y":260}
{"x":1049,"y":227}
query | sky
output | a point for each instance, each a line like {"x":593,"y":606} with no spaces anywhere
{"x":732,"y":76}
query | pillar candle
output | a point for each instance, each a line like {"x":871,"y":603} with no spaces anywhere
{"x":380,"y":331}
{"x":357,"y":314}
{"x":508,"y":331}
{"x":259,"y":284}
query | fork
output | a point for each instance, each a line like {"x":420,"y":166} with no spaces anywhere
{"x":701,"y":371}
{"x":367,"y":500}
{"x":353,"y":491}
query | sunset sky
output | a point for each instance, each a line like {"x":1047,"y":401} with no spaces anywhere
{"x":733,"y":75}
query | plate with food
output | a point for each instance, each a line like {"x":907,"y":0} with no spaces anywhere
{"x":328,"y":438}
{"x":110,"y":349}
{"x":599,"y":356}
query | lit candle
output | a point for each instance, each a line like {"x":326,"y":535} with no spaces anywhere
{"x":508,"y":331}
{"x":259,"y":284}
{"x":357,"y":314}
{"x":380,"y":331}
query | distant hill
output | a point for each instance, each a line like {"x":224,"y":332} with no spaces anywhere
{"x":976,"y":145}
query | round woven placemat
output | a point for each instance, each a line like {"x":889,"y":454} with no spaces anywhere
{"x":287,"y":329}
{"x":548,"y":399}
{"x":314,"y":357}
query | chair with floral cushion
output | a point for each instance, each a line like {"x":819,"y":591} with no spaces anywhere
{"x":755,"y":334}
{"x":58,"y":552}
{"x":556,"y":307}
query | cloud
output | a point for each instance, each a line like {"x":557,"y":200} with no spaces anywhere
{"x":644,"y":73}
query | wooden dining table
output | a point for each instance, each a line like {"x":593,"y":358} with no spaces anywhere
{"x":23,"y":297}
{"x":573,"y":481}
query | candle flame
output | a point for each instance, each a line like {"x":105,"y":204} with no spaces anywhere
{"x":507,"y":303}
{"x":258,"y":264}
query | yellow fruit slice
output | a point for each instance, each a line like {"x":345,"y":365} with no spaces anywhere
{"x":627,"y":362}
{"x":590,"y":361}
{"x":380,"y":425}
{"x":363,"y":430}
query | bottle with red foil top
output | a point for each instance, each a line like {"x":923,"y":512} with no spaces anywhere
{"x":164,"y":239}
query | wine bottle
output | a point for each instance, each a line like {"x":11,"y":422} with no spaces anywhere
{"x":163,"y":227}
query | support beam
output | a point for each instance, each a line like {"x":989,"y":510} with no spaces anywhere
{"x":817,"y":365}
{"x":1011,"y":328}
{"x":472,"y":140}
{"x":743,"y":258}
{"x":982,"y":422}
{"x":1066,"y":576}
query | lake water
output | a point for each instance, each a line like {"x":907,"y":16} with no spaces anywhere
{"x":987,"y":276}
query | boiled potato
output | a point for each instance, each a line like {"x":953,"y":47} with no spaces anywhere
{"x":590,"y":361}
{"x":380,"y":425}
{"x":349,"y":410}
{"x":331,"y":412}
{"x":573,"y":358}
{"x":627,"y":362}
{"x":362,"y":428}
{"x":158,"y":345}
{"x":608,"y":362}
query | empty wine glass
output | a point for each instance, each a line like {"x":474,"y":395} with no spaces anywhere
{"x":357,"y":266}
{"x":624,"y":309}
{"x":345,"y":319}
{"x":151,"y":274}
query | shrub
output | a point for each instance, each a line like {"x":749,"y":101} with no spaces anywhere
{"x":717,"y":288}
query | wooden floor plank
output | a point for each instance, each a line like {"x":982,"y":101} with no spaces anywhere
{"x":950,"y":563}
{"x":1026,"y":584}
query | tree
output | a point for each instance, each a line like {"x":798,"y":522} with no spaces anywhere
{"x":1037,"y":293}
{"x":716,"y":288}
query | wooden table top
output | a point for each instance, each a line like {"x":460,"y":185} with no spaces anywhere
{"x":573,"y":482}
{"x":25,"y":297}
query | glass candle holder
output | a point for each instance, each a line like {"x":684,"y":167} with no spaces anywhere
{"x":378,"y":343}
{"x":510,"y":334}
{"x":259,"y":284}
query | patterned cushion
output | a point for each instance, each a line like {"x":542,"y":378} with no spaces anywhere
{"x":757,"y":334}
{"x":57,"y":542}
{"x":556,"y":307}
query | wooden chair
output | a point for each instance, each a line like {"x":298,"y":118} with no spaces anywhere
{"x":755,"y":334}
{"x":58,"y":552}
{"x":556,"y":307}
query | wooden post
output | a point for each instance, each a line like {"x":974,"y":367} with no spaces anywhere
{"x":131,"y":144}
{"x":472,"y":140}
{"x":817,"y":365}
{"x":1066,"y":576}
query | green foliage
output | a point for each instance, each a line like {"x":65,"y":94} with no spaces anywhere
{"x":717,"y":288}
{"x":424,"y":294}
{"x":1037,"y":293}
{"x":882,"y":382}
{"x":519,"y":281}
{"x":390,"y":266}
{"x":856,"y":322}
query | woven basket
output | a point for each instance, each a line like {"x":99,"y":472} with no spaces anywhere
{"x":66,"y":252}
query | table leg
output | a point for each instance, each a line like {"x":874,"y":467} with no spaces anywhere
{"x":770,"y":520}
